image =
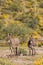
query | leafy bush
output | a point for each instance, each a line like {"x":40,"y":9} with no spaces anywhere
{"x":15,"y":6}
{"x":29,"y":0}
{"x":39,"y":45}
{"x":23,"y":12}
{"x":42,"y":43}
{"x":5,"y":62}
{"x":24,"y":52}
{"x":41,"y":5}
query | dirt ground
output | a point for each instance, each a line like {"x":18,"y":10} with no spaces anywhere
{"x":20,"y":60}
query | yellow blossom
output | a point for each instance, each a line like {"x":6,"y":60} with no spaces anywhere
{"x":5,"y":15}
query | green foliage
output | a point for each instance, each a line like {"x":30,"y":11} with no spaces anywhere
{"x":22,"y":51}
{"x":2,"y":34}
{"x":41,"y":5}
{"x":29,"y":0}
{"x":39,"y":45}
{"x":15,"y":29}
{"x":15,"y":6}
{"x":23,"y":12}
{"x":39,"y":0}
{"x":5,"y":62}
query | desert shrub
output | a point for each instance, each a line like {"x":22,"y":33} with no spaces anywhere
{"x":15,"y":6}
{"x":41,"y":5}
{"x":5,"y":62}
{"x":28,"y":0}
{"x":42,"y":43}
{"x":39,"y":44}
{"x":24,"y":52}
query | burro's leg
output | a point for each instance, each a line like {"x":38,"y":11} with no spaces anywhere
{"x":33,"y":50}
{"x":16,"y":50}
{"x":29,"y":50}
{"x":10,"y":47}
{"x":13,"y":49}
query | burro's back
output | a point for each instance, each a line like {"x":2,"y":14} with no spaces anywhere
{"x":15,"y":42}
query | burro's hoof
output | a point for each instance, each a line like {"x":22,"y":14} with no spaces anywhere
{"x":10,"y":55}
